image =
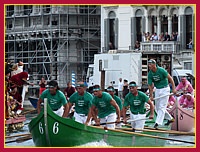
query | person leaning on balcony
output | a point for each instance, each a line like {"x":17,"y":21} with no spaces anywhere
{"x":190,"y":44}
{"x":155,"y":37}
{"x":148,"y":36}
{"x":166,"y":37}
{"x":161,"y":37}
{"x":137,"y":46}
{"x":177,"y":37}
{"x":108,"y":110}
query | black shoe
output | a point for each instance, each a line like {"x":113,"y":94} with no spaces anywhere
{"x":169,"y":121}
{"x":156,"y":126}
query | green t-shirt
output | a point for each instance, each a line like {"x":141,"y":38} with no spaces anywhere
{"x":54,"y":101}
{"x":137,"y":103}
{"x":159,"y":78}
{"x":82,"y":103}
{"x":118,"y":101}
{"x":103,"y":105}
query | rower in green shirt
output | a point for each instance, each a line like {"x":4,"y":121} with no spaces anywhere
{"x":136,"y":100}
{"x":160,"y":78}
{"x":83,"y":102}
{"x":55,"y":98}
{"x":111,"y":91}
{"x":106,"y":106}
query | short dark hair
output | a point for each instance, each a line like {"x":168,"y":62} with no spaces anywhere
{"x":69,"y":82}
{"x":132,"y":84}
{"x":96,"y":86}
{"x":111,"y":88}
{"x":125,"y":80}
{"x":54,"y":83}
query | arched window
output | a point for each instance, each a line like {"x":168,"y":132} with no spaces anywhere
{"x":138,"y":15}
{"x":164,"y":21}
{"x":111,"y":32}
{"x":112,"y":16}
{"x":189,"y":24}
{"x":153,"y":23}
{"x":174,"y":14}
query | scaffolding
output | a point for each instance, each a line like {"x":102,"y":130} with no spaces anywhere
{"x":53,"y":40}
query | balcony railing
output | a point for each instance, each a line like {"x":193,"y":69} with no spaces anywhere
{"x":171,"y":46}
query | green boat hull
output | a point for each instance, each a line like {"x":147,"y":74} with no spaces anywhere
{"x":50,"y":130}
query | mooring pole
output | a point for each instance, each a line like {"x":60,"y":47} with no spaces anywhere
{"x":102,"y":80}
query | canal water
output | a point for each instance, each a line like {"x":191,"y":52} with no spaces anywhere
{"x":29,"y":143}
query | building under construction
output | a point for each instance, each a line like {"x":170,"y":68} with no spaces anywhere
{"x":53,"y":41}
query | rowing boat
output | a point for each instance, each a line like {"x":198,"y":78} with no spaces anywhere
{"x":51,"y":130}
{"x":184,"y":118}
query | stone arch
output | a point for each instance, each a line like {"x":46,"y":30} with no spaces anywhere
{"x":188,"y":11}
{"x":139,"y":13}
{"x":111,"y":15}
{"x":162,"y":10}
{"x":152,"y":12}
{"x":173,"y":11}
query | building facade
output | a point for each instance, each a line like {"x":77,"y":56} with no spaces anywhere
{"x":123,"y":25}
{"x":53,"y":41}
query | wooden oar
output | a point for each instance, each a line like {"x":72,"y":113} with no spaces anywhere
{"x":131,"y":120}
{"x":167,"y":95}
{"x":150,"y":136}
{"x":19,"y":140}
{"x":17,"y":135}
{"x":163,"y":96}
{"x":30,"y":111}
{"x":173,"y":131}
{"x":161,"y":131}
{"x":169,"y":131}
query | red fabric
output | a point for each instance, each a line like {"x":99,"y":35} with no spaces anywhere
{"x":18,"y":78}
{"x":69,"y":91}
{"x":41,"y":90}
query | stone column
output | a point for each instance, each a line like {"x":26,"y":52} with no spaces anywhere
{"x":169,"y":25}
{"x":147,"y":23}
{"x":158,"y":25}
{"x":150,"y":24}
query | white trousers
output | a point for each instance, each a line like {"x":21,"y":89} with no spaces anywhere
{"x":110,"y":118}
{"x":161,"y":105}
{"x":81,"y":118}
{"x":59,"y":111}
{"x":120,"y":94}
{"x":139,"y":124}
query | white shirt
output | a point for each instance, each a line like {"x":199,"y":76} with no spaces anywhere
{"x":120,"y":86}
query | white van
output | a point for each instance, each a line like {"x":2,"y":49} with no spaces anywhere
{"x":177,"y":74}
